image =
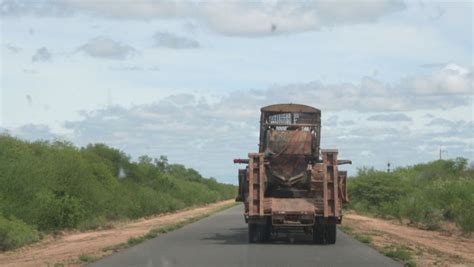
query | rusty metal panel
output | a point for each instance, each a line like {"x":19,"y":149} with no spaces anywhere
{"x":292,"y":205}
{"x":334,"y":177}
{"x":318,"y":205}
{"x":331,"y":197}
{"x":256,"y":177}
{"x":289,"y":142}
{"x":290,"y":108}
{"x":261,"y":183}
{"x":251,"y":184}
{"x":325,"y":186}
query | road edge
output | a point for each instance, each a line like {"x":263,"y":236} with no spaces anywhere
{"x":153,"y":233}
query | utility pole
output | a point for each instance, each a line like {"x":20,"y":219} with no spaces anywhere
{"x":441,"y":151}
{"x":388,"y":166}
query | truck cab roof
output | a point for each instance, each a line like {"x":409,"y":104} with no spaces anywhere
{"x":289,"y":108}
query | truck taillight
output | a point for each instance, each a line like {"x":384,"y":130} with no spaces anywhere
{"x":241,"y":161}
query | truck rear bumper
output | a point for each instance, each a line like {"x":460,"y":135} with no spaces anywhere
{"x":292,"y":219}
{"x":291,"y":213}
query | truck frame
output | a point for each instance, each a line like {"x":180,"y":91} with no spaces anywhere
{"x":291,"y":185}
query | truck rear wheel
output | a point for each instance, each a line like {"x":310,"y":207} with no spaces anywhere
{"x":331,"y":234}
{"x":252,"y":232}
{"x":324,"y":234}
{"x":318,"y":234}
{"x":258,"y":233}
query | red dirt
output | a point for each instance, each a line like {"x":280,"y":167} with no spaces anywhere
{"x":431,"y":247}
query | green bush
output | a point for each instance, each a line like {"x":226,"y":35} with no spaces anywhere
{"x":15,"y":233}
{"x":426,"y":194}
{"x":93,"y":223}
{"x":459,"y":197}
{"x":58,"y":211}
{"x":54,"y":185}
{"x":420,"y":210}
{"x":373,"y":191}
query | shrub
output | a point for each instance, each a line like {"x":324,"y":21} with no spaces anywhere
{"x":426,"y":194}
{"x":15,"y":233}
{"x":99,"y":222}
{"x":58,"y":211}
{"x":51,"y":186}
{"x":419,"y":210}
{"x":373,"y":190}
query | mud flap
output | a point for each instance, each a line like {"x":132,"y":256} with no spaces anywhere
{"x":242,"y":185}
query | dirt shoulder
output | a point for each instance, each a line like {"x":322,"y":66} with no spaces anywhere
{"x":67,"y":248}
{"x":428,"y":248}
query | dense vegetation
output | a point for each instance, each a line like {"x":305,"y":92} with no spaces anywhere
{"x":426,"y":194}
{"x":49,"y":186}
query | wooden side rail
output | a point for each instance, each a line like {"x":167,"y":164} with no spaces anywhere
{"x":330,"y":183}
{"x":256,"y":177}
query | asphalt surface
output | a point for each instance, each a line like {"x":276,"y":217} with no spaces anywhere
{"x":221,"y":240}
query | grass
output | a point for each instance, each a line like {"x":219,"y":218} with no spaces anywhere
{"x":397,"y":252}
{"x":71,"y":262}
{"x":366,"y":239}
{"x":96,"y":223}
{"x":400,"y":253}
{"x":86,"y":258}
{"x":346,"y":229}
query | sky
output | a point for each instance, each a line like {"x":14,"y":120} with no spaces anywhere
{"x":187,"y":79}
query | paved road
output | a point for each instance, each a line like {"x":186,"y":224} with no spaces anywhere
{"x":221,"y":240}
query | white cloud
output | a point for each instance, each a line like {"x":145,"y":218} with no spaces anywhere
{"x":42,"y":55}
{"x":347,"y":123}
{"x":169,"y":40}
{"x":39,"y":8}
{"x":12,"y":49}
{"x":104,"y":47}
{"x":390,"y":117}
{"x":139,"y":9}
{"x":232,"y":17}
{"x":270,"y":17}
{"x":33,"y":132}
{"x":451,"y":79}
{"x":366,"y":154}
{"x":370,"y":94}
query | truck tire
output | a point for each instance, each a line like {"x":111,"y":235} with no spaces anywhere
{"x":252,"y":232}
{"x":318,"y":234}
{"x":324,"y":234}
{"x":257,"y":233}
{"x":267,"y":230}
{"x":330,"y":234}
{"x":260,"y":232}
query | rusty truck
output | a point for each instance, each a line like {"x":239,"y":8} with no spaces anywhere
{"x":291,"y":185}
